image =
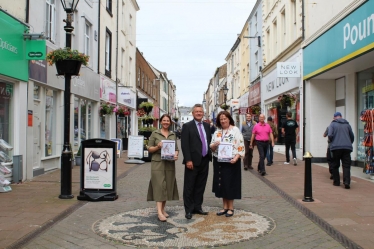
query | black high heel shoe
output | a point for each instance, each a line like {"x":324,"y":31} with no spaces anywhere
{"x":222,"y":213}
{"x":229,"y":215}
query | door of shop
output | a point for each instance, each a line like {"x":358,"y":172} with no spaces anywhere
{"x":37,"y":135}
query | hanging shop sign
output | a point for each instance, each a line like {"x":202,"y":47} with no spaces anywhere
{"x":234,"y":104}
{"x":12,"y":48}
{"x":38,"y":70}
{"x":351,"y":37}
{"x":107,"y":90}
{"x":35,"y":50}
{"x":254,"y":94}
{"x":288,"y":69}
{"x":127,"y":97}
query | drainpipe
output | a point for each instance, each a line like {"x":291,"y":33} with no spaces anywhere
{"x":27,"y":10}
{"x":303,"y":37}
{"x":117,"y":81}
{"x":303,"y":19}
{"x":98,"y":40}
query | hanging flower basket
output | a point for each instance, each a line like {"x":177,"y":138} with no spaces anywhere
{"x":255,"y":109}
{"x":225,"y":107}
{"x":71,"y":67}
{"x":146,"y":106}
{"x":121,"y":111}
{"x":67,"y":61}
{"x":286,"y":100}
{"x":106,"y":109}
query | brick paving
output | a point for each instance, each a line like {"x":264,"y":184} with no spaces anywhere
{"x":34,"y":206}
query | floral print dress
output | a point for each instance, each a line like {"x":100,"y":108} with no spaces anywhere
{"x":227,"y":177}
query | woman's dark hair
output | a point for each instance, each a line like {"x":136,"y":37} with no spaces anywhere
{"x":166,"y":115}
{"x":227,"y":114}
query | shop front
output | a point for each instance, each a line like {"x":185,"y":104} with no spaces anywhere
{"x":339,"y":76}
{"x":126,"y":122}
{"x":243,"y":107}
{"x":254,"y":100}
{"x":86,"y":94}
{"x":108,"y":101}
{"x":13,"y":88}
{"x":282,"y":95}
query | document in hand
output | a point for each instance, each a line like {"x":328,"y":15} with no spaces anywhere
{"x":168,"y":149}
{"x":224,"y":152}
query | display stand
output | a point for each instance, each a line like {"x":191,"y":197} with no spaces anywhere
{"x":135,"y":149}
{"x":6,"y":167}
{"x":367,"y":117}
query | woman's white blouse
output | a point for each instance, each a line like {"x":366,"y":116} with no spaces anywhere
{"x":233,"y":136}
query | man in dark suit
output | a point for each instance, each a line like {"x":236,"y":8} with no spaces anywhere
{"x":195,"y":143}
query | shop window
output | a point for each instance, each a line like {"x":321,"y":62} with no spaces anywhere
{"x":6,"y":124}
{"x":82,"y":122}
{"x":278,"y":110}
{"x":50,"y":122}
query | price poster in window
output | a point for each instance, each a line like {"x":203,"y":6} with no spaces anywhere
{"x":135,"y":146}
{"x":224,"y":152}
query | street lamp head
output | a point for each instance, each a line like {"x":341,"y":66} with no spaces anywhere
{"x":69,"y":5}
{"x":225,"y":90}
{"x":204,"y":101}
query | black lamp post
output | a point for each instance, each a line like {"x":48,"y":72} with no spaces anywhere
{"x":225,"y":90}
{"x":69,"y":7}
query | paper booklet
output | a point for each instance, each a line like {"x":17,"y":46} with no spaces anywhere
{"x":168,"y":150}
{"x":224,"y":152}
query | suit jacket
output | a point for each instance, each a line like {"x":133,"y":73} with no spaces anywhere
{"x":191,"y":143}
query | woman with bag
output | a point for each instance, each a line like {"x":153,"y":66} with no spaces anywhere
{"x":227,"y":179}
{"x":163,"y":185}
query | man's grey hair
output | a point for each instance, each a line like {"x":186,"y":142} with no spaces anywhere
{"x":197,"y":105}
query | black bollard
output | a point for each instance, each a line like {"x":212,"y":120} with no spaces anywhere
{"x":308,"y":196}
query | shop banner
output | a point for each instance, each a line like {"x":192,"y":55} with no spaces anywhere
{"x":87,"y":85}
{"x":288,"y":69}
{"x":107,"y":90}
{"x":234,"y":104}
{"x":38,"y":70}
{"x":156,"y":112}
{"x":244,"y":110}
{"x":12,"y":48}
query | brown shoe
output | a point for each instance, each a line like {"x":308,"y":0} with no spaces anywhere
{"x":250,"y":167}
{"x":245,"y":168}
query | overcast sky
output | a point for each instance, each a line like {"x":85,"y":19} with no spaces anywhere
{"x":189,"y":39}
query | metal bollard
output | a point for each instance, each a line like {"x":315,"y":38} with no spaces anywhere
{"x":308,"y":196}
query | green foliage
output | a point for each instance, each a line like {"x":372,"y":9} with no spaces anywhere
{"x":106,"y":109}
{"x":146,"y":105}
{"x":66,"y":54}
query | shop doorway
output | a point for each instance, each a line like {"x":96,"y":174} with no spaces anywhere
{"x":37,"y":131}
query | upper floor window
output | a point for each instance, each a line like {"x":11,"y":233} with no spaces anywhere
{"x":108,"y":53}
{"x":109,"y":6}
{"x":138,"y":76}
{"x":50,"y":21}
{"x":87,"y":35}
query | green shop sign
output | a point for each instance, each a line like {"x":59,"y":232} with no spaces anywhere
{"x":351,"y":37}
{"x":35,"y":49}
{"x":12,"y":48}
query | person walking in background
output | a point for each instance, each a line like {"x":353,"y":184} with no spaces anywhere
{"x":341,"y":138}
{"x":269,"y":154}
{"x":163,"y":185}
{"x":261,"y":133}
{"x":328,"y":153}
{"x":212,"y":128}
{"x":195,"y":142}
{"x":289,"y":130}
{"x":227,"y":178}
{"x":246,"y":130}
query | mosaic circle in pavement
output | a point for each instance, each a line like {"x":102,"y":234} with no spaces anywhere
{"x":142,"y":228}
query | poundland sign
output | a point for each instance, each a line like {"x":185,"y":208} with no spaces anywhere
{"x":351,"y":37}
{"x":12,"y":48}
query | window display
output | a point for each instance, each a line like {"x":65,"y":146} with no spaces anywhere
{"x":6,"y":130}
{"x":365,"y":84}
{"x":50,"y":122}
{"x":287,"y":102}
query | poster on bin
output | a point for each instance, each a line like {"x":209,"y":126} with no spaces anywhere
{"x":98,"y":168}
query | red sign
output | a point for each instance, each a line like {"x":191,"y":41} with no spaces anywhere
{"x":156,"y":112}
{"x":243,"y":110}
{"x":29,"y":118}
{"x":254,"y":96}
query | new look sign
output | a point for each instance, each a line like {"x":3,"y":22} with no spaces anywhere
{"x":288,"y":69}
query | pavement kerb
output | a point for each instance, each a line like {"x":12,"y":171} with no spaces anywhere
{"x":26,"y":239}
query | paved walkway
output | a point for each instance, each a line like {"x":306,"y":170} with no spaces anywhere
{"x":33,"y":217}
